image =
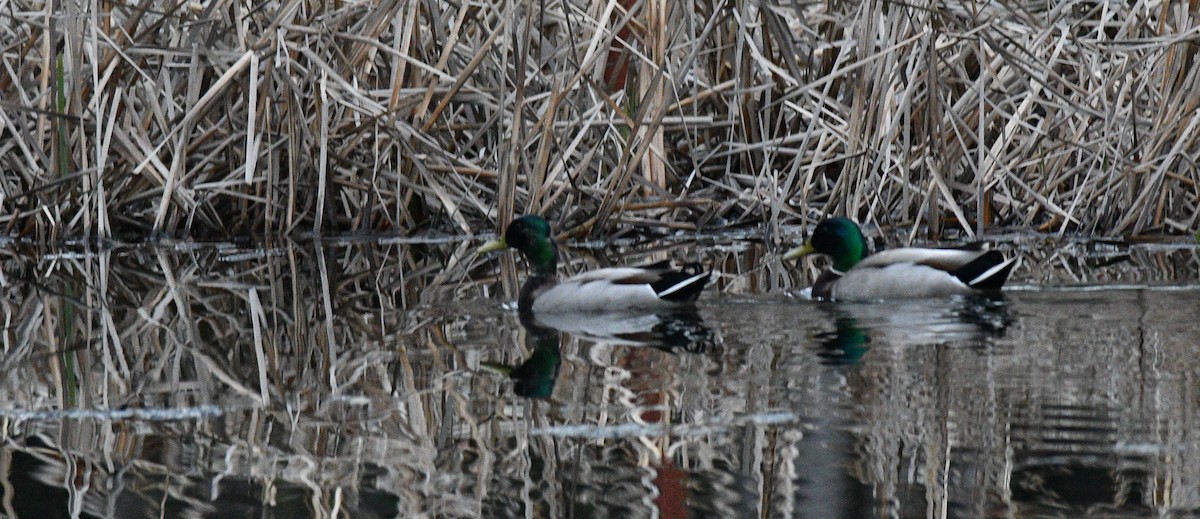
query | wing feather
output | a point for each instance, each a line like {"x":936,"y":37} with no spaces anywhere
{"x":940,"y":259}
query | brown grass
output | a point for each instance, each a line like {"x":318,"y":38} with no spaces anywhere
{"x":208,"y":119}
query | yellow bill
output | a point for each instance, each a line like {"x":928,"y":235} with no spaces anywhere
{"x":799,"y":252}
{"x":492,"y":246}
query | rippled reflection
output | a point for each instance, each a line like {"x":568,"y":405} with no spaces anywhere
{"x":536,"y":375}
{"x":682,"y":329}
{"x":382,"y":379}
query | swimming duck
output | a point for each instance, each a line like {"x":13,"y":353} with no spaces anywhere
{"x":897,"y":273}
{"x":614,"y":289}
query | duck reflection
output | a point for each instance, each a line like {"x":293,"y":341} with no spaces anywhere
{"x":845,"y":345}
{"x":965,"y":320}
{"x":680,"y":329}
{"x":536,"y":376}
{"x":989,"y":314}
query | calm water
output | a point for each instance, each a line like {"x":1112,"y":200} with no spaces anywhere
{"x":381,"y":379}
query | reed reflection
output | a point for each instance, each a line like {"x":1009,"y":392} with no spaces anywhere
{"x":344,"y":379}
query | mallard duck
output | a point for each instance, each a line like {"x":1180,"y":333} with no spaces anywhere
{"x":897,"y":273}
{"x":603,"y":290}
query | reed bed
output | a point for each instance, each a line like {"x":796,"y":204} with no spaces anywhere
{"x":289,"y":118}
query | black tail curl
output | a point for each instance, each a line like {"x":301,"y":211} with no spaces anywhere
{"x":683,"y":285}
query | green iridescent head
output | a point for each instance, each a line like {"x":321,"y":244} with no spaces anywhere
{"x":839,"y":238}
{"x":529,"y":234}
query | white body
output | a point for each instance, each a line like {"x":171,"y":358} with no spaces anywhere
{"x":897,"y":281}
{"x":905,"y":273}
{"x":596,"y":292}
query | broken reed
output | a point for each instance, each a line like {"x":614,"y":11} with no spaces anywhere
{"x":218,"y":119}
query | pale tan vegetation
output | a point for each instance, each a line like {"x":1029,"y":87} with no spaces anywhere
{"x":217,"y":118}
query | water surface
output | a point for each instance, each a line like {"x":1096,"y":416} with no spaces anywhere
{"x":381,"y":379}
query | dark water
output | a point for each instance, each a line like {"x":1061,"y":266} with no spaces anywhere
{"x":387,"y":379}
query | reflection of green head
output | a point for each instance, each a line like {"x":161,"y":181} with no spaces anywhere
{"x":849,"y":339}
{"x":535,"y":377}
{"x":529,"y":234}
{"x":839,"y":238}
